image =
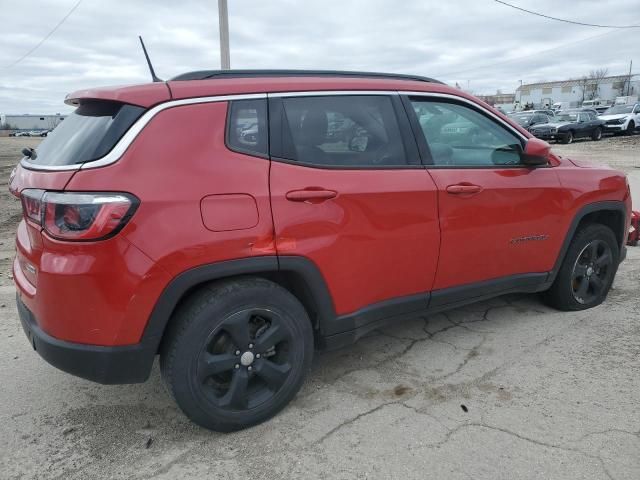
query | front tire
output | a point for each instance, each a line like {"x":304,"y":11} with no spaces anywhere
{"x":587,"y":271}
{"x":567,"y":138}
{"x":597,"y":134}
{"x":237,"y":352}
{"x":630,"y":128}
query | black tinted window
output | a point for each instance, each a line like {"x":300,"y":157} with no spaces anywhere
{"x":247,"y":129}
{"x":344,"y":130}
{"x":89,"y":133}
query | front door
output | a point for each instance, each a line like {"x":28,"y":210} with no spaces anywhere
{"x":348,"y":192}
{"x":498,"y":218}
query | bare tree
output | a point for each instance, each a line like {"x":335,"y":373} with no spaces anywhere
{"x":596,"y":77}
{"x":583,"y":83}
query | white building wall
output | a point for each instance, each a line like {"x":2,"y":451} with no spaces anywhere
{"x":574,"y":96}
{"x":32,"y":122}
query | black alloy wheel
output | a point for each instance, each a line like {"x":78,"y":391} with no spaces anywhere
{"x":591,"y":272}
{"x":236,"y":352}
{"x":246,"y":360}
{"x":587,"y":270}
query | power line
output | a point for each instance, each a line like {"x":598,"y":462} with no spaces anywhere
{"x":46,"y":37}
{"x":565,"y":20}
{"x":540,"y":52}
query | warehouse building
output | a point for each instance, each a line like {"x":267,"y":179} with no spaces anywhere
{"x":498,"y":99}
{"x":30,"y":122}
{"x":574,"y":92}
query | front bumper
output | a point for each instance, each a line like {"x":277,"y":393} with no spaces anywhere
{"x":548,"y":135}
{"x":615,"y":128}
{"x":107,"y":365}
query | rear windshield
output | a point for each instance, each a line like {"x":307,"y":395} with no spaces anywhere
{"x":89,"y":133}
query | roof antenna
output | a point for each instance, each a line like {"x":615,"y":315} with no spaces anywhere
{"x":153,"y":73}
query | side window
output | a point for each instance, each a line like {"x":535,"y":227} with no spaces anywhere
{"x":342,"y":130}
{"x":463,"y":137}
{"x":247,"y":127}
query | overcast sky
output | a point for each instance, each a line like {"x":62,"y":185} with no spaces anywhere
{"x":480,"y":44}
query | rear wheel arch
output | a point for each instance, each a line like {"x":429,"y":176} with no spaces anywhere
{"x":298,"y":275}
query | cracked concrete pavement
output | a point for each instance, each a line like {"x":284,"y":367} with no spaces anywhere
{"x":503,"y":389}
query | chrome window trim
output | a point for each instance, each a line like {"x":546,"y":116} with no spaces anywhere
{"x":127,"y":139}
{"x":331,"y":93}
{"x":467,"y":101}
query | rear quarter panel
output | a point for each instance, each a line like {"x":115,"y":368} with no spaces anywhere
{"x":177,"y":160}
{"x":178,"y":163}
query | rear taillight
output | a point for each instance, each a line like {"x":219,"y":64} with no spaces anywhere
{"x":78,"y":216}
{"x":32,"y":205}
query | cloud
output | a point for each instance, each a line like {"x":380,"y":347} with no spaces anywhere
{"x":479,"y":44}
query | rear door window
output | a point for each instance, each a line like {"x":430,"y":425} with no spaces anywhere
{"x":247,"y":127}
{"x":89,"y":133}
{"x":342,"y":131}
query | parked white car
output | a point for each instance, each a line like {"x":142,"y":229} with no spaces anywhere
{"x":621,"y":118}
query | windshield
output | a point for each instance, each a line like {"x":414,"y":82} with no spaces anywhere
{"x":89,"y":133}
{"x":566,"y":117}
{"x":618,"y":109}
{"x":522,"y":118}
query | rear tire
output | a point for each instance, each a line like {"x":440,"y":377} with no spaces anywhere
{"x":597,"y":134}
{"x":587,"y":271}
{"x":237,"y":352}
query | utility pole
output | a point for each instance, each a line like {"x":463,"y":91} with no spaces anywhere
{"x":223,"y":24}
{"x":629,"y":80}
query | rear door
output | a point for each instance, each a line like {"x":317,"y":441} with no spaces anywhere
{"x":349,"y":193}
{"x":498,"y":218}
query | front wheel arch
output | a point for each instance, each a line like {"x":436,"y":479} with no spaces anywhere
{"x":609,"y":213}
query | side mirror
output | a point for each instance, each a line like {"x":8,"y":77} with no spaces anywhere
{"x":536,"y":153}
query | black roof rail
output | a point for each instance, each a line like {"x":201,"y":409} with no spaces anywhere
{"x":209,"y":74}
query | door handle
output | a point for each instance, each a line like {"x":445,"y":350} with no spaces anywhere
{"x":311,"y":195}
{"x":463,"y":188}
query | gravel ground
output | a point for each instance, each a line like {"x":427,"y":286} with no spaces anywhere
{"x":620,"y":152}
{"x":504,"y":389}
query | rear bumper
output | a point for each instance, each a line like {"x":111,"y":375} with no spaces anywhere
{"x":107,"y":365}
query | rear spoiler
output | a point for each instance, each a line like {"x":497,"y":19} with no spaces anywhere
{"x":146,"y":95}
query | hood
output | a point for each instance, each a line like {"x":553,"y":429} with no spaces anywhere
{"x":613,"y":117}
{"x":551,"y":124}
{"x":587,"y":164}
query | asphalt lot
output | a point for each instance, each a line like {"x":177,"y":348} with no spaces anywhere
{"x":504,"y":389}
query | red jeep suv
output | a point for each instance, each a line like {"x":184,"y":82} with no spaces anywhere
{"x":233,"y":222}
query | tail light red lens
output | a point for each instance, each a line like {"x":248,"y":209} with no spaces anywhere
{"x":78,"y":215}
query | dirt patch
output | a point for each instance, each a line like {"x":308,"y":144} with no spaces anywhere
{"x":622,"y":152}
